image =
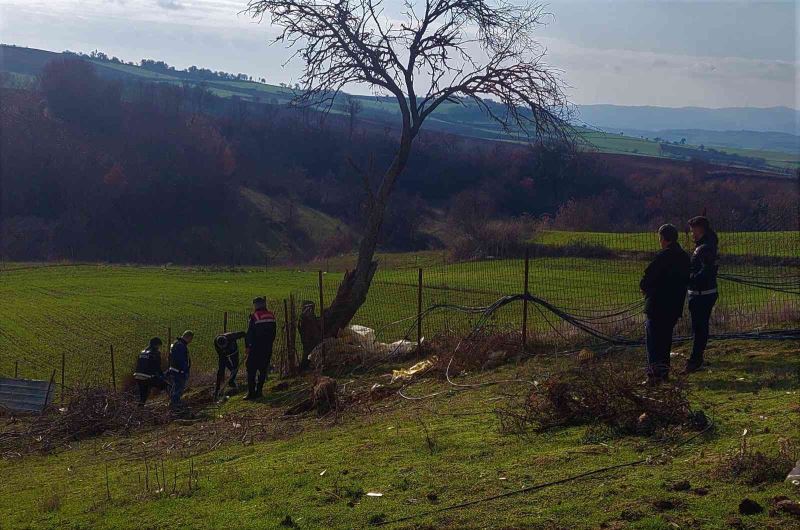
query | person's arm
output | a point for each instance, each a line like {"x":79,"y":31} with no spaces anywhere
{"x":250,"y":336}
{"x":652,"y":274}
{"x":701,"y":264}
{"x":236,"y":335}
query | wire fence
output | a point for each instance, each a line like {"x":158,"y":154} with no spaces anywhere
{"x":589,"y":280}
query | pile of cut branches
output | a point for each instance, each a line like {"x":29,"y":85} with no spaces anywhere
{"x":600,"y":393}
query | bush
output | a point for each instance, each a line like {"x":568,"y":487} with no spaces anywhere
{"x":499,"y":239}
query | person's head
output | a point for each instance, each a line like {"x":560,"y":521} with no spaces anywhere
{"x":668,"y":234}
{"x":259,"y":303}
{"x":699,"y":226}
{"x":155,"y":343}
{"x":187,"y":336}
{"x":221,"y":341}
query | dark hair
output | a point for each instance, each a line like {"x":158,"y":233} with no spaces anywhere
{"x":259,"y":302}
{"x":155,"y":341}
{"x":701,"y":221}
{"x":668,"y":232}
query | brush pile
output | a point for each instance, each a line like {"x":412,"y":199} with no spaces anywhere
{"x":88,"y":412}
{"x":600,"y":394}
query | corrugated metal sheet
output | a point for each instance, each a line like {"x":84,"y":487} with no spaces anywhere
{"x":26,"y":395}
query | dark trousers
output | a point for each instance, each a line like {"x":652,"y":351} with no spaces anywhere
{"x":178,"y":382}
{"x":144,"y":391}
{"x":700,"y":309}
{"x":144,"y":387}
{"x":257,"y":368}
{"x":230,"y":363}
{"x":658,"y":336}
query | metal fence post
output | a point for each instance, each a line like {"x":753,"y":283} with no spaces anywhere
{"x":289,"y":359}
{"x":16,"y":369}
{"x":525,"y":303}
{"x":113,"y":370}
{"x":225,"y":322}
{"x":419,"y":308}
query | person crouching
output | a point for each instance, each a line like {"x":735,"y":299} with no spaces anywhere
{"x":228,"y":359}
{"x":148,"y":372}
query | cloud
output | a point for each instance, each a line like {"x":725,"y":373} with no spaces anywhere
{"x":170,"y":4}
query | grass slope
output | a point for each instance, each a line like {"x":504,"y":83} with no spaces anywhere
{"x":424,"y":455}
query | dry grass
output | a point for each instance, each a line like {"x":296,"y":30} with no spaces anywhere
{"x":753,"y":467}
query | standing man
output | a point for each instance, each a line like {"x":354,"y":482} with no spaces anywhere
{"x":702,"y":287}
{"x":260,"y":335}
{"x":179,"y":365}
{"x":664,"y":287}
{"x":148,"y":370}
{"x":228,"y":357}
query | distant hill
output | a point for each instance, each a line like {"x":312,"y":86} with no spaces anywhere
{"x":736,"y":130}
{"x":616,"y":117}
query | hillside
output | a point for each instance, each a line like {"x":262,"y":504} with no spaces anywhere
{"x":599,"y":133}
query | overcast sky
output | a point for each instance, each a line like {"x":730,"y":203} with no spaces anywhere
{"x":719,"y":53}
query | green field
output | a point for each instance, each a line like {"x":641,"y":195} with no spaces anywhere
{"x":775,"y":244}
{"x":255,"y":468}
{"x":80,"y":311}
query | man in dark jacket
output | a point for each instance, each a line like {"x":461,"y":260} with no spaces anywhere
{"x":179,"y":366}
{"x":664,"y":287}
{"x":702,"y":287}
{"x":261,"y":333}
{"x":148,"y":372}
{"x":228,"y":358}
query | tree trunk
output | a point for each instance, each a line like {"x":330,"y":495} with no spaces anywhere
{"x":352,"y":292}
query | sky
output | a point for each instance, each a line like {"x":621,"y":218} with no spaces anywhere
{"x":720,"y":53}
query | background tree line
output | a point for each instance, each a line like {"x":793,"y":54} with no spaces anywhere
{"x":98,"y":169}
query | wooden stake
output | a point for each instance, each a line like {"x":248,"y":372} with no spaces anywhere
{"x":322,"y":318}
{"x":16,"y":369}
{"x":63,"y":364}
{"x":289,"y":363}
{"x":225,"y":322}
{"x":419,"y":308}
{"x":525,"y":303}
{"x":108,"y":486}
{"x":113,"y":370}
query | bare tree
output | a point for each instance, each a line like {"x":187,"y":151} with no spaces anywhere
{"x":439,"y":51}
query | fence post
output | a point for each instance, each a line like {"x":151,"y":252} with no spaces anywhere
{"x":16,"y":369}
{"x":63,"y":364}
{"x":525,"y":303}
{"x":293,"y":330}
{"x":289,"y":359}
{"x":113,"y":370}
{"x":419,"y":308}
{"x":225,"y":322}
{"x":322,"y":319}
{"x":49,"y":388}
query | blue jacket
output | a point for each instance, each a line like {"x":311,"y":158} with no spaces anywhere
{"x":179,"y":357}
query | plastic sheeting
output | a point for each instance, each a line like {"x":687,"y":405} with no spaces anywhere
{"x":357,"y":344}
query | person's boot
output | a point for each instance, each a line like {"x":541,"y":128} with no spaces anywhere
{"x":692,"y":366}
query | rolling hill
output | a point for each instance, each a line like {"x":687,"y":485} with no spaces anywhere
{"x":638,"y":126}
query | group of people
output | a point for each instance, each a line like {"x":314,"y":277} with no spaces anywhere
{"x":258,"y":339}
{"x":668,"y":279}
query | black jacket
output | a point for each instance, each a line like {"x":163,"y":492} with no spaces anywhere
{"x":704,"y":263}
{"x":261,"y":332}
{"x":148,"y":364}
{"x":664,"y":283}
{"x":232,"y":347}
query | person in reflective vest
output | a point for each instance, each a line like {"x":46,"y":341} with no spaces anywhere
{"x":702,"y":287}
{"x":148,"y":372}
{"x":261,"y":332}
{"x":228,"y":358}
